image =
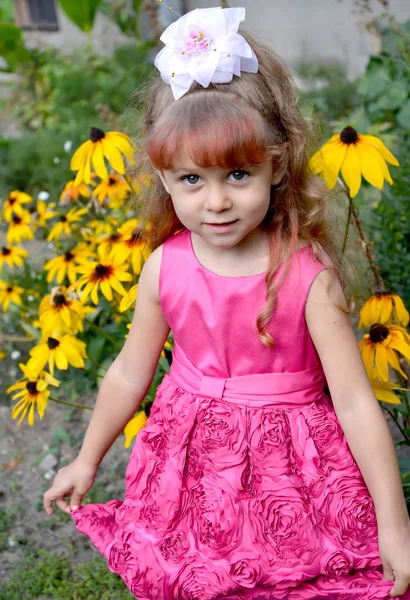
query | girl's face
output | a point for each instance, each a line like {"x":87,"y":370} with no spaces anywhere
{"x":221,"y":205}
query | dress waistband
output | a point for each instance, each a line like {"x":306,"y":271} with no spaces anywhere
{"x":258,"y":390}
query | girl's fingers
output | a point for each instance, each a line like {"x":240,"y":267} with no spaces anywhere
{"x":62,"y":504}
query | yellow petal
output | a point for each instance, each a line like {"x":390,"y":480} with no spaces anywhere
{"x":378,"y":144}
{"x":381,"y":362}
{"x":370,"y":165}
{"x":113,"y":156}
{"x":98,"y":161}
{"x":80,"y":154}
{"x":351,"y":171}
{"x":333,"y":155}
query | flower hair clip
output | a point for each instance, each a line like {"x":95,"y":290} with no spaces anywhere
{"x":204,"y":46}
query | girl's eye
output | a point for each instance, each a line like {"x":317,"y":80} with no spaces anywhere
{"x":239,"y":175}
{"x":191,"y":179}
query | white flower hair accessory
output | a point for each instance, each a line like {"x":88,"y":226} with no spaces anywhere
{"x":204,"y":46}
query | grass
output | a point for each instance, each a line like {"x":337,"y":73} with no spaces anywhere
{"x":44,"y":576}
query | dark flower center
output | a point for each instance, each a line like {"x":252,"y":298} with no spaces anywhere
{"x":68,"y":256}
{"x":16,"y":219}
{"x":52,"y":343}
{"x":349,"y":135}
{"x":9,"y":289}
{"x":114,"y":237}
{"x":32,"y":387}
{"x":59,"y":300}
{"x":102,"y":271}
{"x":147,"y":407}
{"x":12,"y":201}
{"x":5,"y":251}
{"x":96,"y":134}
{"x":136,"y":238}
{"x":111,"y":181}
{"x":63,"y":219}
{"x":378,"y":333}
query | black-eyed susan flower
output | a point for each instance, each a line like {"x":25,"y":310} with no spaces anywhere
{"x":10,"y":294}
{"x":19,"y":228}
{"x":382,"y":307}
{"x":12,"y":256}
{"x":378,"y":350}
{"x":72,"y":192}
{"x":105,"y":274}
{"x":2,"y":355}
{"x":44,"y":212}
{"x":112,"y":146}
{"x":128,"y":300}
{"x":134,"y":426}
{"x":65,"y":265}
{"x":132,"y":247}
{"x":33,"y":393}
{"x":108,"y":242}
{"x":57,"y":350}
{"x":355,"y":155}
{"x":61,"y":310}
{"x":112,"y":191}
{"x":13,"y":204}
{"x":64,"y":225}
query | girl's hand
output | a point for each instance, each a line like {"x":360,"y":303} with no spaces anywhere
{"x":394,"y":548}
{"x":73,"y":480}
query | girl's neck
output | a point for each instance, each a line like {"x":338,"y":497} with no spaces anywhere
{"x":249,"y":257}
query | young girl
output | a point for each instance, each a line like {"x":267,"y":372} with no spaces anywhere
{"x":251,"y":479}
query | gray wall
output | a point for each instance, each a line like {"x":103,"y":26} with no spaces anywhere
{"x":313,"y":30}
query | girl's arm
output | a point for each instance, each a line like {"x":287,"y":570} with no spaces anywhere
{"x":356,"y":406}
{"x":129,"y":377}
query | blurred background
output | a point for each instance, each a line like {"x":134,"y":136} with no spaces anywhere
{"x":69,"y":65}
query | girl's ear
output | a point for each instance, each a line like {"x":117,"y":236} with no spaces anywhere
{"x":164,"y":183}
{"x":277,"y":177}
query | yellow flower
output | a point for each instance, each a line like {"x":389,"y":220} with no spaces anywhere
{"x":382,"y":307}
{"x":106,"y":274}
{"x":111,"y":145}
{"x":2,"y":355}
{"x":64,"y":224}
{"x":128,"y":300}
{"x":33,"y":393}
{"x":108,"y":242}
{"x":61,"y":310}
{"x":44,"y":213}
{"x":382,"y":391}
{"x":12,"y":255}
{"x":19,"y":228}
{"x":13,"y":204}
{"x":378,"y":349}
{"x":112,"y":191}
{"x":72,"y":192}
{"x":58,"y":350}
{"x":134,"y":426}
{"x":356,"y":155}
{"x":10,"y":294}
{"x":65,"y":265}
{"x":94,"y":229}
{"x":132,"y":246}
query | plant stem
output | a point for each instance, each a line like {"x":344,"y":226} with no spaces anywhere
{"x":397,"y":423}
{"x":365,"y":244}
{"x":70,"y":404}
{"x":97,"y":363}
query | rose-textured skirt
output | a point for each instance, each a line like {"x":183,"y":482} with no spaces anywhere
{"x":227,"y":500}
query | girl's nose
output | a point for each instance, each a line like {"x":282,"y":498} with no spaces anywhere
{"x":217,"y":199}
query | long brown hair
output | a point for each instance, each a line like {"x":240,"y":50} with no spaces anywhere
{"x":250,"y":120}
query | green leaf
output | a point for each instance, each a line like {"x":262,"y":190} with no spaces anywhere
{"x":81,"y":13}
{"x":394,"y":97}
{"x":404,"y":464}
{"x":11,"y":45}
{"x":403,"y":116}
{"x":374,"y":84}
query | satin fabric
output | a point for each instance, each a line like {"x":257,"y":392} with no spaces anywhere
{"x":242,"y":484}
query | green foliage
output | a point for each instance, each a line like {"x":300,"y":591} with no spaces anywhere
{"x":126,"y":15}
{"x":81,"y":13}
{"x":11,"y":45}
{"x":44,"y":575}
{"x":6,"y":11}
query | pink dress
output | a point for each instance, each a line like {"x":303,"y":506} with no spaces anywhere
{"x":242,"y":484}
